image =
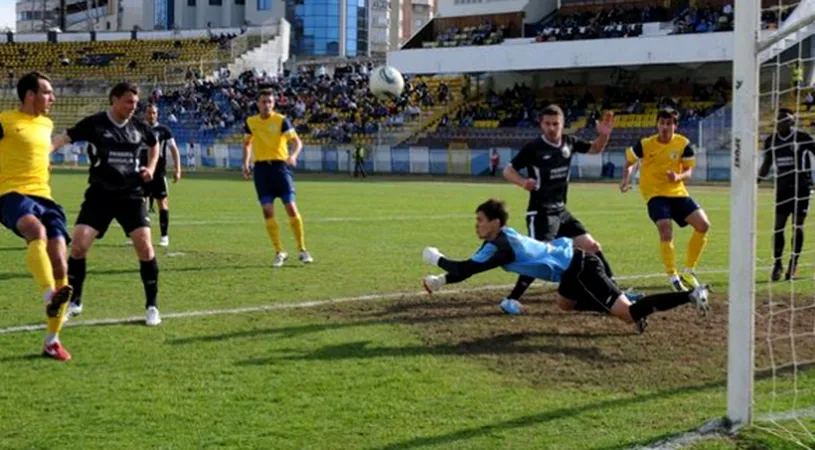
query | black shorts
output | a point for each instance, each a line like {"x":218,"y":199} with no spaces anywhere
{"x":157,"y":188}
{"x":797,"y":206}
{"x":547,"y":227}
{"x":586,"y":283}
{"x":676,"y":208}
{"x":100,"y":208}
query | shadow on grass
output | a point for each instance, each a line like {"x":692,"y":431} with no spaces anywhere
{"x":299,"y":330}
{"x":548,"y":416}
{"x":511,"y":343}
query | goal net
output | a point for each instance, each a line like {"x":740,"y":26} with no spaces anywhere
{"x":771,"y":348}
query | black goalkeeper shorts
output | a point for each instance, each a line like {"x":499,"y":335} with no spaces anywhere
{"x":586,"y":283}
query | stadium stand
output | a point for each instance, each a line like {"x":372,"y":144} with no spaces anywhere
{"x":135,"y":60}
{"x":510,"y":118}
{"x":325,"y":108}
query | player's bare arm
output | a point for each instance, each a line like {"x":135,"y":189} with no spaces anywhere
{"x":59,"y":141}
{"x":515,"y":178}
{"x":625,"y":184}
{"x":674,"y":177}
{"x":152,"y":159}
{"x":604,"y":129}
{"x":298,"y":147}
{"x":176,"y":161}
{"x":247,"y":154}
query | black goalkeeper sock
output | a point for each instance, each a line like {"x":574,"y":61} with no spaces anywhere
{"x":778,"y":245}
{"x":164,"y":221}
{"x":657,"y":302}
{"x":520,"y":287}
{"x":149,"y":276}
{"x":76,"y":278}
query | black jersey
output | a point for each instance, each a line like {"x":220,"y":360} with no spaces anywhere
{"x":793,"y":168}
{"x":113,"y":152}
{"x":163,"y":135}
{"x":549,"y":165}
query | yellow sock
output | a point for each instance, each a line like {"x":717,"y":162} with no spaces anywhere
{"x":274,"y":234}
{"x":296,"y":224}
{"x":667,"y":253}
{"x":696,"y":245}
{"x":36,"y":259}
{"x":60,"y":283}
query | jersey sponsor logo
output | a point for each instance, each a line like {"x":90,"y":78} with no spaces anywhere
{"x":565,"y":151}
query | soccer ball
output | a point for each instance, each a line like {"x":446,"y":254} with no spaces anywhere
{"x":386,"y":83}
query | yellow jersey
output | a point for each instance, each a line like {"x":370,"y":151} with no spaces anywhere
{"x":25,"y":149}
{"x":269,"y":136}
{"x":657,"y":159}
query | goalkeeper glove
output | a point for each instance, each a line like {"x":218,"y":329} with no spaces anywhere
{"x":431,"y":255}
{"x":433,"y":283}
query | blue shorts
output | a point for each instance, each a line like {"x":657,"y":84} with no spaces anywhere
{"x":676,"y":208}
{"x":273,"y":179}
{"x":14,"y":206}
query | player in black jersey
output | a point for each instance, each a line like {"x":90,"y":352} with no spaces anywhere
{"x":789,"y":150}
{"x":157,"y":188}
{"x":547,"y":161}
{"x":116,"y":190}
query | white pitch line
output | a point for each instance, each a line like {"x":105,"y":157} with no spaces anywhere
{"x":298,"y":305}
{"x":238,"y":220}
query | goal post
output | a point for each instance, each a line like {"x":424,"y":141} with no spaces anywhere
{"x":744,"y":193}
{"x":771,"y":325}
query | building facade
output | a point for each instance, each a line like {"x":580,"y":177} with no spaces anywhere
{"x":323,"y":28}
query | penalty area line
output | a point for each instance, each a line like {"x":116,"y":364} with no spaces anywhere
{"x":295,"y":305}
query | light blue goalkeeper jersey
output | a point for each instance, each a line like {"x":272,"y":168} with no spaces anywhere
{"x":515,"y":253}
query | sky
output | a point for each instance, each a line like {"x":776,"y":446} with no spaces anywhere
{"x":7,"y":14}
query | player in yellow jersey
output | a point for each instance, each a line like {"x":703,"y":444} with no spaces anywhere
{"x":666,"y":161}
{"x":267,"y":136}
{"x":26,"y":206}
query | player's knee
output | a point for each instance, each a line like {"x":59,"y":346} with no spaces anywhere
{"x":564,"y":304}
{"x":703,"y":226}
{"x":31,"y":228}
{"x":665,"y":232}
{"x":291,"y":209}
{"x":78,"y":249}
{"x":164,"y":204}
{"x":144,"y":248}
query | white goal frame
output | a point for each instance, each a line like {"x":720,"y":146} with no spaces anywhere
{"x":748,"y":50}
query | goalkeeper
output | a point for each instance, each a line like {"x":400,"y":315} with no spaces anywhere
{"x":789,"y":150}
{"x":583,"y":282}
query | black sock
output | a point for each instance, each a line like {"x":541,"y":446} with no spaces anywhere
{"x":657,"y":302}
{"x":149,"y":276}
{"x":76,"y":278}
{"x":778,"y":245}
{"x":520,"y":287}
{"x":164,"y":221}
{"x":606,"y":266}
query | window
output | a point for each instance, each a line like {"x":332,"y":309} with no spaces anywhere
{"x":240,"y":2}
{"x":264,"y":5}
{"x":215,"y":2}
{"x":190,"y":2}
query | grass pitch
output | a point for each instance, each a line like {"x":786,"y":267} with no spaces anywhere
{"x":404,"y":372}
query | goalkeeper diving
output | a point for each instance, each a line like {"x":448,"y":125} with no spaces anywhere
{"x":583,"y":281}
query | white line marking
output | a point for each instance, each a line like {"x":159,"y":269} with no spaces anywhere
{"x":299,"y":305}
{"x":709,"y":429}
{"x":245,"y":219}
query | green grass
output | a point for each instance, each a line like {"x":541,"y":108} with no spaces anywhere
{"x":415,"y":372}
